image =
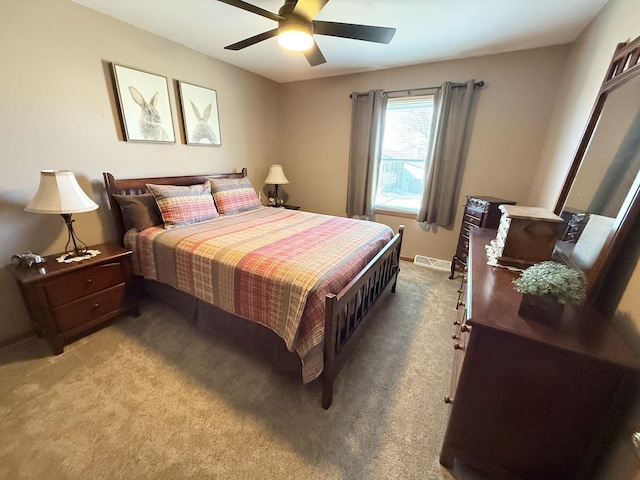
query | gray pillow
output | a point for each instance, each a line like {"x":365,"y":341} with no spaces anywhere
{"x":139,"y":211}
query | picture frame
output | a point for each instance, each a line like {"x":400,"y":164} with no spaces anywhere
{"x":199,"y":115}
{"x":145,"y":108}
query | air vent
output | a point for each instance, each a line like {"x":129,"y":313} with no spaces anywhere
{"x":432,"y":263}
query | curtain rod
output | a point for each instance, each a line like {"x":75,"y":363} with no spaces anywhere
{"x":478,"y":84}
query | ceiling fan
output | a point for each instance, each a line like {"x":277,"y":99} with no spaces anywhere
{"x":296,"y":28}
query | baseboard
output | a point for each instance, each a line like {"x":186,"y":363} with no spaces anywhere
{"x":434,"y":263}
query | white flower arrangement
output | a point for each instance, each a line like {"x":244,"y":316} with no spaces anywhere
{"x":552,"y":279}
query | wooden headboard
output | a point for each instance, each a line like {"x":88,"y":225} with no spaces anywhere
{"x":137,"y":186}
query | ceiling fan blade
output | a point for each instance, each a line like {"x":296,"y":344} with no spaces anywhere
{"x":309,"y":8}
{"x":367,"y":33}
{"x":315,"y":56}
{"x":247,"y":42}
{"x":253,"y":9}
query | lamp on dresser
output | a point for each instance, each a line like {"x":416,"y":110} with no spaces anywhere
{"x":276,"y":177}
{"x":59,"y":193}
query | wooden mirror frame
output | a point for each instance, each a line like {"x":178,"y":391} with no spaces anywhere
{"x":624,"y":66}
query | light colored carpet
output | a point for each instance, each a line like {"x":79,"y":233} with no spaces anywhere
{"x":154,"y":397}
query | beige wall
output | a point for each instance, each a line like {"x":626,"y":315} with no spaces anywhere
{"x":58,"y":112}
{"x":509,"y":125}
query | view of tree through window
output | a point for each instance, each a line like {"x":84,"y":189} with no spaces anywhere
{"x":404,"y":151}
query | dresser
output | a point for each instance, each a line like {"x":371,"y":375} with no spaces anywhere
{"x":574,"y":223}
{"x":479,"y":212}
{"x":532,"y":400}
{"x":68,"y":300}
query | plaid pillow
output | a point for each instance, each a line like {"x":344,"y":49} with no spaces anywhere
{"x":234,"y":195}
{"x":184,"y":205}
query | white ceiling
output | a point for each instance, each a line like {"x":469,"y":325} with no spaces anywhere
{"x":427,"y":30}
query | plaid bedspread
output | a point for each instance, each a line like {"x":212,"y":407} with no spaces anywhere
{"x":271,"y":265}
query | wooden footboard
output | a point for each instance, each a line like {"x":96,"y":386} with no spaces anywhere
{"x":347,"y":312}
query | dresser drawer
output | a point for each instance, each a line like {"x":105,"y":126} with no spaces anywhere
{"x":81,"y":283}
{"x":461,"y":340}
{"x":90,"y":308}
{"x":572,"y":237}
{"x":462,"y":252}
{"x":469,"y":219}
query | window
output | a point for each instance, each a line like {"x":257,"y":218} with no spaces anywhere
{"x":404,"y":152}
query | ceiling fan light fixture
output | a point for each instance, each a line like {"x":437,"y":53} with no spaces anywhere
{"x":295,"y":36}
{"x":295,"y":40}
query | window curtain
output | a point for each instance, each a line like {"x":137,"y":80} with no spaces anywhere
{"x":620,"y":175}
{"x":443,"y":174}
{"x":367,"y":131}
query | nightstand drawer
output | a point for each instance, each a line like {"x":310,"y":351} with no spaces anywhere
{"x":92,"y":307}
{"x":81,"y":283}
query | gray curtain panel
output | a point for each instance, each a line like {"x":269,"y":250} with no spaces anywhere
{"x":367,"y":131}
{"x":444,"y":167}
{"x":620,"y":175}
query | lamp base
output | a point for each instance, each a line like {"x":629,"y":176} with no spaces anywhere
{"x":71,"y":254}
{"x":276,"y":199}
{"x":79,"y":249}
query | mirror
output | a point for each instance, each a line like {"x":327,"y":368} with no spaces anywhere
{"x":599,"y":199}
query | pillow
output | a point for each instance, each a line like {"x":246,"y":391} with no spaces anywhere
{"x":234,"y":195}
{"x":184,"y":205}
{"x":139,"y":211}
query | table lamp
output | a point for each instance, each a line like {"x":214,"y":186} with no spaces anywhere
{"x":276,"y":177}
{"x":59,"y":193}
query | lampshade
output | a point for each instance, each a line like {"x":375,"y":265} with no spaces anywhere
{"x":59,"y":193}
{"x":276,"y":176}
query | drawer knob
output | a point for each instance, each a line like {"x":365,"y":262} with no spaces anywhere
{"x":89,"y":281}
{"x":465,"y":328}
{"x":457,"y":346}
{"x":96,"y":306}
{"x":448,"y":399}
{"x":635,"y":440}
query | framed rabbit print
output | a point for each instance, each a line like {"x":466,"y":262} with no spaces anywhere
{"x":145,"y":108}
{"x":199,"y":115}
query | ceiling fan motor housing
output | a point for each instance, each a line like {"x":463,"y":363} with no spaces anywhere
{"x":287,"y":8}
{"x":293,"y":21}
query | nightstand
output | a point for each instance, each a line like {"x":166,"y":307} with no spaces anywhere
{"x":69,"y":300}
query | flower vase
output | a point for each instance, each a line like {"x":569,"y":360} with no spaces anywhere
{"x":542,"y":308}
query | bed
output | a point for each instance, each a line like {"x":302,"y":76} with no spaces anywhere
{"x":312,"y":279}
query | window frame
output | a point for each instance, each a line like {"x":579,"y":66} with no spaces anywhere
{"x":399,"y":211}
